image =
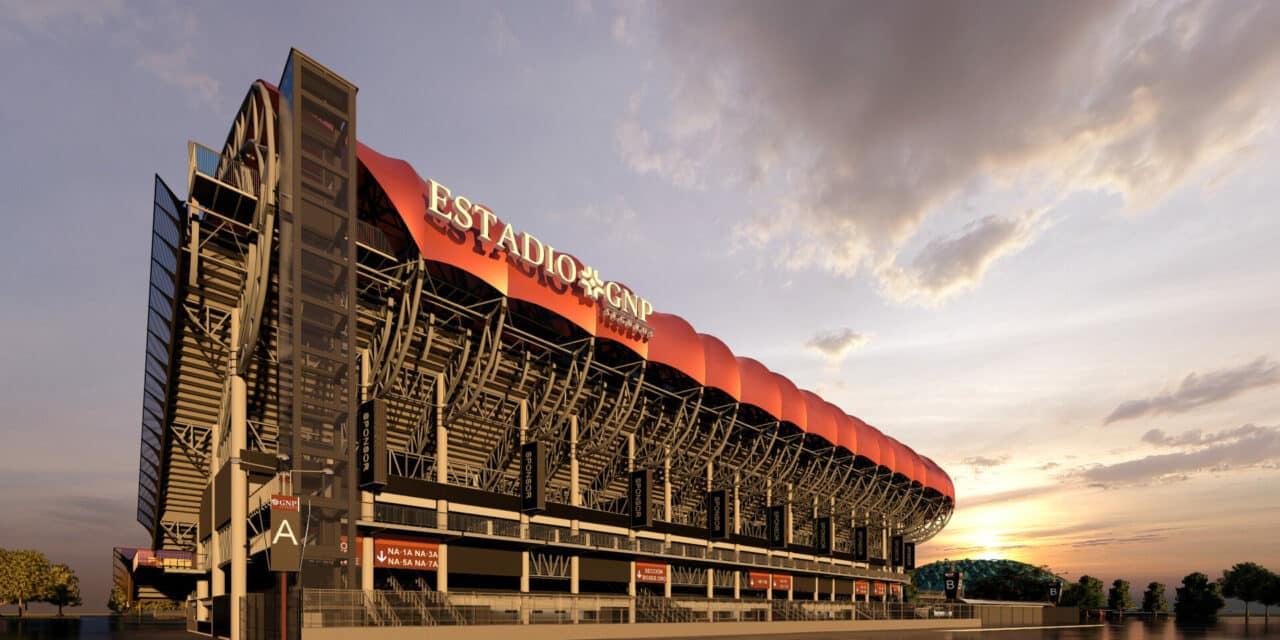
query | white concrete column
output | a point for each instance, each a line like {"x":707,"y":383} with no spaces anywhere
{"x":666,"y":488}
{"x":239,"y":484}
{"x":524,"y":586}
{"x":442,"y":572}
{"x":666,"y":587}
{"x":574,"y":576}
{"x":575,"y":495}
{"x":788,"y":521}
{"x":442,"y":464}
{"x":366,"y":563}
{"x":631,"y":581}
{"x":737,"y":504}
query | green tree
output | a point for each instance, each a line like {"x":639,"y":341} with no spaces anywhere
{"x":24,"y":576}
{"x":1011,"y":581}
{"x":119,"y":602}
{"x":1199,"y":599}
{"x":910,"y":592}
{"x":1153,"y":600}
{"x":1245,"y":581}
{"x":1118,"y":598}
{"x":1270,"y":594}
{"x":1085,"y":594}
{"x":64,"y":588}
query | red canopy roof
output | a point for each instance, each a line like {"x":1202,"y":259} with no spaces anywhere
{"x":674,"y":343}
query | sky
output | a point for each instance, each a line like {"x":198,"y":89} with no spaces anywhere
{"x":1037,"y":242}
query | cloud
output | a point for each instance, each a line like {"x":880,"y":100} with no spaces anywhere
{"x":1197,"y":438}
{"x":501,"y":37}
{"x":982,"y":463}
{"x":43,"y":15}
{"x":1241,"y":448}
{"x":948,"y":265}
{"x":869,"y":120}
{"x":836,"y":345}
{"x":1011,"y":495}
{"x":174,"y":67}
{"x":619,"y":30}
{"x":1048,"y":466}
{"x":635,"y":144}
{"x":1199,"y":390}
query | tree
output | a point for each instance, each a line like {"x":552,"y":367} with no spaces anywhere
{"x":910,"y":592}
{"x":119,"y":602}
{"x":1012,"y":581}
{"x":64,"y":588}
{"x":1153,"y":600}
{"x":1199,"y":599}
{"x":1085,"y":594}
{"x":24,"y":576}
{"x":1270,"y":595}
{"x":1245,"y":581}
{"x":1118,"y":598}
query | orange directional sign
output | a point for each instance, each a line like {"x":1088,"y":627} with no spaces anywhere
{"x":861,"y":587}
{"x":758,"y":580}
{"x":651,"y":572}
{"x":877,"y":589}
{"x":781,"y":582}
{"x":398,"y":553}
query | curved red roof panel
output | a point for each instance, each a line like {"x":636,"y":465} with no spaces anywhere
{"x":820,"y":419}
{"x":437,"y":243}
{"x":759,"y":387}
{"x":793,"y":408}
{"x":905,"y":464}
{"x":721,"y":366}
{"x":676,"y":344}
{"x":847,"y":430}
{"x":869,"y":439}
{"x":887,"y":454}
{"x":941,"y":481}
{"x":921,"y":471}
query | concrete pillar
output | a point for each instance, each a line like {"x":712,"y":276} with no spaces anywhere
{"x":442,"y":463}
{"x":789,"y":526}
{"x":631,"y":585}
{"x":574,"y":574}
{"x":666,"y":587}
{"x":666,"y":488}
{"x":239,"y":484}
{"x":442,"y":572}
{"x":575,"y":496}
{"x":524,"y":586}
{"x":737,"y":504}
{"x":366,"y":563}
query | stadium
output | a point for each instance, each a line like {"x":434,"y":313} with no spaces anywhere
{"x":370,"y":401}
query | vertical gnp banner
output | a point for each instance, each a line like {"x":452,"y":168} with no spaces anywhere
{"x":822,"y":536}
{"x":641,"y":499}
{"x":951,"y":584}
{"x":1055,"y":590}
{"x":284,"y":540}
{"x":777,"y":527}
{"x":895,"y":547}
{"x":909,"y":556}
{"x":371,"y":445}
{"x":533,"y":477}
{"x":717,"y":515}
{"x":860,"y":544}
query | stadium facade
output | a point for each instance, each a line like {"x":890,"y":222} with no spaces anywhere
{"x":459,"y":423}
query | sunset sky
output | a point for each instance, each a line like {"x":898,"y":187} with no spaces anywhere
{"x":1036,"y":241}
